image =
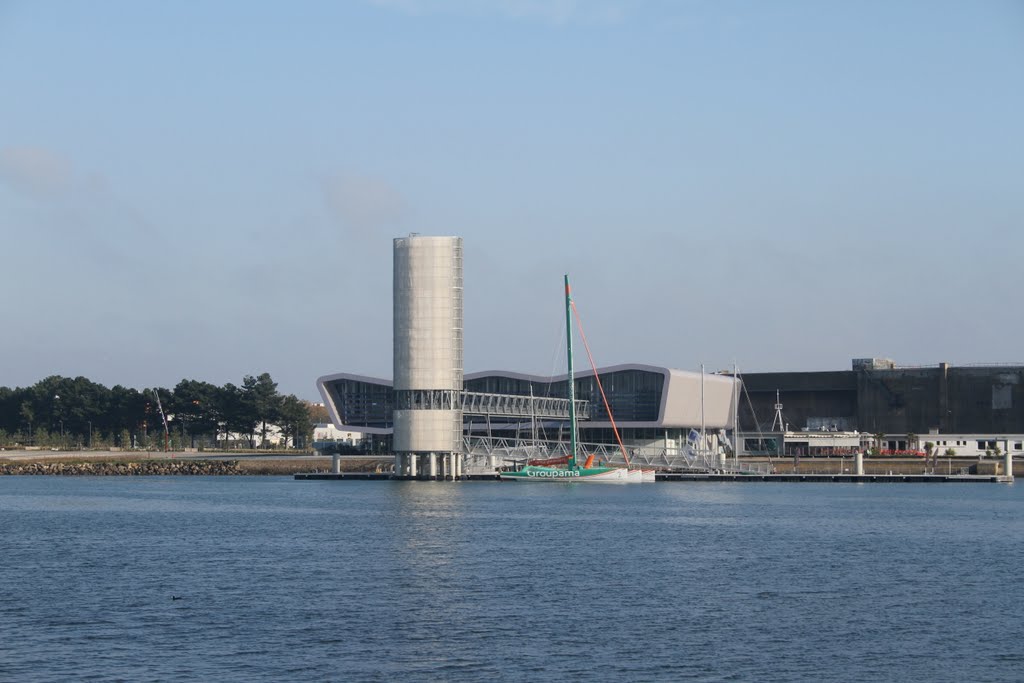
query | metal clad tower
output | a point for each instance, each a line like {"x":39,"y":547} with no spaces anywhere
{"x":428,"y":356}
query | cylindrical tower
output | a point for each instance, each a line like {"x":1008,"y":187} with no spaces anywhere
{"x":428,"y":354}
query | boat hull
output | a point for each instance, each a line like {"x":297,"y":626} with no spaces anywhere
{"x":579,"y":474}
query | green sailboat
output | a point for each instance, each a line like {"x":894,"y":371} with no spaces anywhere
{"x":572,"y":471}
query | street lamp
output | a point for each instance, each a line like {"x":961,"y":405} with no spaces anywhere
{"x":56,"y":399}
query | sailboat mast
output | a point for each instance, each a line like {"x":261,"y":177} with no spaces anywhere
{"x":572,"y":380}
{"x":735,"y":415}
{"x":702,"y":439}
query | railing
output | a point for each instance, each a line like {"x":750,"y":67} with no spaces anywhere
{"x":513,"y":405}
{"x":484,"y":454}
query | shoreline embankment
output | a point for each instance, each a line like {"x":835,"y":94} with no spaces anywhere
{"x":163,"y":464}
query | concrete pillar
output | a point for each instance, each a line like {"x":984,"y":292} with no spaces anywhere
{"x":458,"y":466}
{"x":399,"y":465}
{"x":449,"y":469}
{"x":412,"y":465}
{"x":336,"y":464}
{"x":433,"y":466}
{"x":1008,"y":463}
{"x":859,"y":465}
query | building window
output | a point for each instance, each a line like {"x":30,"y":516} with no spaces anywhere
{"x":1018,"y":446}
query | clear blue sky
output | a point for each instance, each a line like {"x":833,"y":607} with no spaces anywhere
{"x":208,"y":190}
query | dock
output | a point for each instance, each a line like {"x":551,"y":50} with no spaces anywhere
{"x":711,"y":477}
{"x":838,"y":478}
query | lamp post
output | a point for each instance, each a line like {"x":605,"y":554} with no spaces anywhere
{"x":90,"y":434}
{"x":60,"y":418}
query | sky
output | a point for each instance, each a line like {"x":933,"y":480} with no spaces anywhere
{"x":210,"y":190}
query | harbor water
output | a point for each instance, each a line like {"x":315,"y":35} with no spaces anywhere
{"x":269,"y":579}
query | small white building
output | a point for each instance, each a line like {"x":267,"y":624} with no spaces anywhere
{"x":974,"y":445}
{"x":807,"y":443}
{"x":325,"y":431}
{"x":811,"y":443}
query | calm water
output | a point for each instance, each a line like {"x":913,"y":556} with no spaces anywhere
{"x":285,"y":580}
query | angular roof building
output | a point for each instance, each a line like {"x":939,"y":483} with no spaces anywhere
{"x":427,"y":416}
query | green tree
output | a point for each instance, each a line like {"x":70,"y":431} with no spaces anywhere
{"x":260,"y":395}
{"x":236,"y":414}
{"x":195,"y":408}
{"x":295,"y":420}
{"x":318,"y":413}
{"x":10,"y":402}
{"x":43,"y":438}
{"x":27,"y":414}
{"x":126,"y":414}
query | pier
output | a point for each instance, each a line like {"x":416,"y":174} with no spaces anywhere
{"x":893,"y":471}
{"x":710,"y":477}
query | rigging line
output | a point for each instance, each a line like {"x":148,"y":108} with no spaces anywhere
{"x":753,"y":413}
{"x":554,"y":359}
{"x":597,"y":376}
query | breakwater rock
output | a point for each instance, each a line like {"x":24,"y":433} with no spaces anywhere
{"x":145,"y":468}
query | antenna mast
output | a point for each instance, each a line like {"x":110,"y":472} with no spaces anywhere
{"x":778,"y":415}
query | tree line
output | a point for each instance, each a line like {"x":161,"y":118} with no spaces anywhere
{"x":78,"y":413}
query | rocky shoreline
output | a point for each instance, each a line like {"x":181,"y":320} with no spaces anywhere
{"x":144,"y":468}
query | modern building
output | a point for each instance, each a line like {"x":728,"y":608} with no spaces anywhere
{"x":652,"y":406}
{"x":430,"y":416}
{"x":426,"y":394}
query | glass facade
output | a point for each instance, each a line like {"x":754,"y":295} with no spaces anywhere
{"x":634,"y":395}
{"x":363,"y":404}
{"x":497,"y":384}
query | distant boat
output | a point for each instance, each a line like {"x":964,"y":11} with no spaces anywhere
{"x":573,"y":471}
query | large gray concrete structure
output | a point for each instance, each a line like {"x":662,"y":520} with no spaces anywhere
{"x":428,"y":371}
{"x":881,"y":397}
